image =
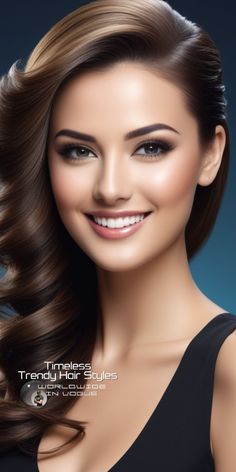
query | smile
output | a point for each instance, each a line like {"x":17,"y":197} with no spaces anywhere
{"x":113,"y":228}
{"x":118,"y":222}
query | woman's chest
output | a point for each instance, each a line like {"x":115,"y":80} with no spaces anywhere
{"x":116,"y":415}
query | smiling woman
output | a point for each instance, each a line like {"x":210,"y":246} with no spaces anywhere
{"x":112,"y":183}
{"x":116,"y":167}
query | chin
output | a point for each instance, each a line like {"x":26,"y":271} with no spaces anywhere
{"x":120,"y":263}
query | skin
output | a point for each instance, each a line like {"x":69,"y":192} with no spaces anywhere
{"x":151,"y":307}
{"x":134,"y":277}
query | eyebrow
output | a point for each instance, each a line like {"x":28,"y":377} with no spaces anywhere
{"x":131,"y":134}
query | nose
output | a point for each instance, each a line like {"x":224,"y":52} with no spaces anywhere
{"x":113,"y":180}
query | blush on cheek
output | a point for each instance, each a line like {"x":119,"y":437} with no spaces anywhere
{"x":71,"y":188}
{"x":173,"y":183}
{"x":66,"y":186}
{"x":62,"y":192}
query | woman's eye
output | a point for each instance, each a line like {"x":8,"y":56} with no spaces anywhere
{"x":75,"y":151}
{"x":153,"y":149}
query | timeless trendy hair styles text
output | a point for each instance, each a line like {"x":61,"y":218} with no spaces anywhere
{"x":49,"y":281}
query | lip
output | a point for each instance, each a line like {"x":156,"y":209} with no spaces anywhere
{"x":116,"y":233}
{"x":116,"y":214}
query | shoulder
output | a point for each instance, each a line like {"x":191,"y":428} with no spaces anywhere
{"x":225,"y":370}
{"x":223,"y":417}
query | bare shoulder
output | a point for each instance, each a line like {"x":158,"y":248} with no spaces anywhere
{"x":223,"y":417}
{"x":226,"y":361}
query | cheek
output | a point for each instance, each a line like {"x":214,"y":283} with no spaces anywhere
{"x":69,"y":186}
{"x":173,"y":183}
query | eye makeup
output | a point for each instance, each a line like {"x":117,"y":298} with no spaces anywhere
{"x":158,"y":148}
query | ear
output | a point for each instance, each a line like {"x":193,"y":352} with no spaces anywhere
{"x":212,"y":158}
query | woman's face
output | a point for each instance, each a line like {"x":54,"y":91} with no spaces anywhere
{"x":111,"y":172}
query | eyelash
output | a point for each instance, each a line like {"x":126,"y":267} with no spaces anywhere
{"x":163,"y":145}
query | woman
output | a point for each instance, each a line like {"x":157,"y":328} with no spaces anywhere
{"x":111,"y":183}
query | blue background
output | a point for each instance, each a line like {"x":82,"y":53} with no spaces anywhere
{"x":22,"y":24}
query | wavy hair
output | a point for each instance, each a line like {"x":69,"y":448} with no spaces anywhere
{"x":49,"y":281}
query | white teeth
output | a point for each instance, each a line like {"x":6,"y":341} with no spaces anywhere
{"x":118,"y":222}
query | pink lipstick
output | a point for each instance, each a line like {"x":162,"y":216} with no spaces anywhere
{"x":116,"y":233}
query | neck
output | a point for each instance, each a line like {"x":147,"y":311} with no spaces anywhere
{"x":155,"y":302}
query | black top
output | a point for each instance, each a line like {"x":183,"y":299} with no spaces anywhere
{"x":176,"y":438}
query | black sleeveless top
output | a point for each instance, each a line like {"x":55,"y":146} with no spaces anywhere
{"x":176,"y":438}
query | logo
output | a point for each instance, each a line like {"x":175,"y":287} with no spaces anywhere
{"x":31,"y":394}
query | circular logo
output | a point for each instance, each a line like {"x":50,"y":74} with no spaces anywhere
{"x":31,"y":394}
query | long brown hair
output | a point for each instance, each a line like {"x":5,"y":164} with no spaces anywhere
{"x":49,"y":282}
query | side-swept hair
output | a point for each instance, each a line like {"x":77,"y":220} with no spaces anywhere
{"x":49,"y":281}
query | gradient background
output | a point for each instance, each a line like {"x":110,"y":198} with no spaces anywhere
{"x":23,"y":23}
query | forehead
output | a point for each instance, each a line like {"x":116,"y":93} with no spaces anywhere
{"x":125,"y":92}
